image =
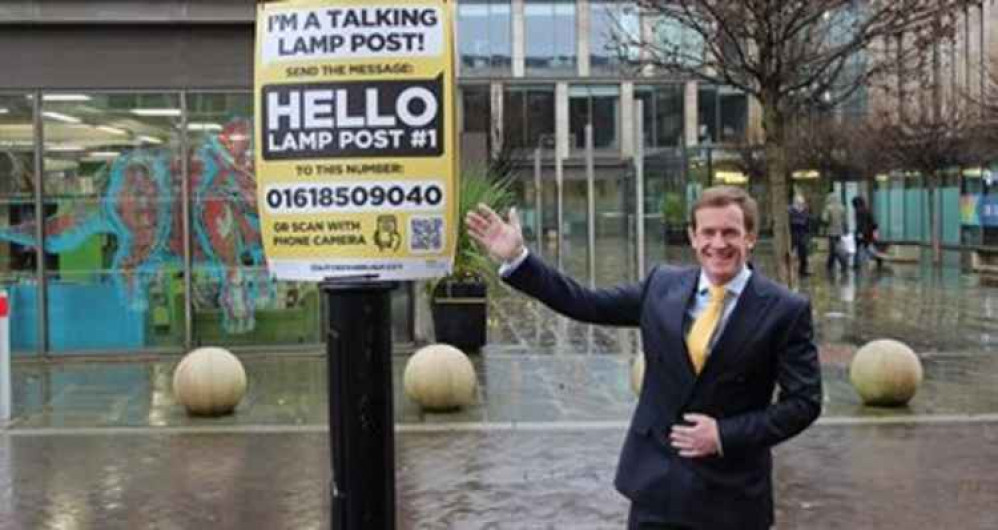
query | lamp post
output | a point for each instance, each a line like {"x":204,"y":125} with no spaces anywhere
{"x":538,"y":201}
{"x":706,"y":145}
{"x":361,"y":428}
{"x":710,"y":163}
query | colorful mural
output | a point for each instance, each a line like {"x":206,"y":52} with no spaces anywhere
{"x":969,"y":215}
{"x":140,"y":206}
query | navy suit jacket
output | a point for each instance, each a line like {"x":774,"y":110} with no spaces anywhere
{"x":767,"y":341}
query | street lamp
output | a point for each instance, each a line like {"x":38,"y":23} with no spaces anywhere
{"x":706,"y":145}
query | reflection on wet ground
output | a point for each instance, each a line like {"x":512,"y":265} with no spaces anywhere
{"x":513,"y":388}
{"x":104,"y":445}
{"x":831,"y":477}
{"x":944,"y":309}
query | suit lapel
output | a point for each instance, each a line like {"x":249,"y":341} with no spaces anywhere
{"x":751,"y":307}
{"x":678,"y":302}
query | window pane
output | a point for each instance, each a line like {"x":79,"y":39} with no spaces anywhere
{"x":540,"y":36}
{"x":676,"y":43}
{"x":734,"y":115}
{"x":707,"y":115}
{"x":602,"y":27}
{"x":564,"y":29}
{"x":112,"y":206}
{"x":500,"y":36}
{"x":598,"y":105}
{"x":528,"y":116}
{"x":473,"y":36}
{"x":550,"y":37}
{"x":17,"y":216}
{"x":540,"y":117}
{"x":578,"y":116}
{"x":669,"y":115}
{"x":646,"y":94}
{"x":514,"y":122}
{"x":477,"y":108}
{"x":484,"y":43}
{"x":606,"y":121}
{"x":608,"y":18}
{"x":614,"y":226}
{"x":857,"y":103}
{"x":663,"y":119}
{"x":476,"y":119}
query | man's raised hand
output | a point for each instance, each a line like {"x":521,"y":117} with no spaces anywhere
{"x":502,"y":240}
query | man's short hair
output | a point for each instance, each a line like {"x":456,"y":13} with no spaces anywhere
{"x":721,"y":196}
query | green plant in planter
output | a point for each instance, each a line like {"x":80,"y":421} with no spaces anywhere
{"x":673,"y":218}
{"x":479,"y":186}
{"x":673,"y":209}
{"x":459,"y":300}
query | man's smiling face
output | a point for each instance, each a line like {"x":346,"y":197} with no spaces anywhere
{"x":721,"y":242}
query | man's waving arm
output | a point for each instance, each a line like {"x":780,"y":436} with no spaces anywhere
{"x":504,"y":242}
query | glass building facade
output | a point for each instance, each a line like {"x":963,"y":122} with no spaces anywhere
{"x":127,"y":189}
{"x":484,"y":37}
{"x":146,"y":206}
{"x":550,"y":33}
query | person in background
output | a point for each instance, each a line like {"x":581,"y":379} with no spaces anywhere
{"x":865,"y":231}
{"x":834,"y":218}
{"x":800,"y":233}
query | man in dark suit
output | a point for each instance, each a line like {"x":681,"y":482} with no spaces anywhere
{"x":718,"y":339}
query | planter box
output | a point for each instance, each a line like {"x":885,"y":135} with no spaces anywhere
{"x":460,"y":310}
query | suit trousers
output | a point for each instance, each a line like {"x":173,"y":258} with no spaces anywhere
{"x":640,"y":519}
{"x":643,"y":519}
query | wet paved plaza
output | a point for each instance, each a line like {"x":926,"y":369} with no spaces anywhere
{"x":104,"y":445}
{"x":834,"y":476}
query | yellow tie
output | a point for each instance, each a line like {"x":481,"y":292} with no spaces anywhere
{"x":703,"y":328}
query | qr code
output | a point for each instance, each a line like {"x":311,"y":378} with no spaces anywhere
{"x":426,"y":234}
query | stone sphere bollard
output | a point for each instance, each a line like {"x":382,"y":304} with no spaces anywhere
{"x":209,"y":381}
{"x":637,"y":373}
{"x":885,"y":373}
{"x":440,"y":377}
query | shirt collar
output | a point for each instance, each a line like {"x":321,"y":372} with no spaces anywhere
{"x":735,"y":286}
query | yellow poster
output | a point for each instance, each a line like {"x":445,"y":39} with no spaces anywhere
{"x":356,"y":151}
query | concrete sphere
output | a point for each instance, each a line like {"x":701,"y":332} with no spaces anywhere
{"x":209,"y":381}
{"x":885,"y":373}
{"x":637,"y":373}
{"x":440,"y":377}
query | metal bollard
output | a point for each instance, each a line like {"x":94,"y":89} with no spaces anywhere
{"x":5,"y":393}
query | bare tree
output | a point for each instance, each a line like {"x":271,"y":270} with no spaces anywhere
{"x":788,"y":55}
{"x":985,"y":129}
{"x":932,"y":144}
{"x":751,"y":160}
{"x":839,"y":147}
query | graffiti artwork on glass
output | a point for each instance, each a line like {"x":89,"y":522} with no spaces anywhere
{"x":969,"y":215}
{"x":140,"y":206}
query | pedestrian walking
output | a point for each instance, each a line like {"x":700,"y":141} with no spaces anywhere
{"x":866,"y":229}
{"x":834,"y":219}
{"x":718,"y":339}
{"x":800,"y":233}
